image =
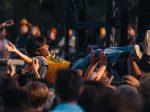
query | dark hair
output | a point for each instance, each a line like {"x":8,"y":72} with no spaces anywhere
{"x":68,"y":84}
{"x":89,"y":98}
{"x":132,"y":26}
{"x":8,"y":83}
{"x":16,"y":100}
{"x":23,"y":79}
{"x":100,"y":86}
{"x":34,"y":44}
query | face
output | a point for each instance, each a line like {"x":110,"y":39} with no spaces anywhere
{"x":52,"y":36}
{"x":44,"y":51}
{"x":102,"y":32}
{"x":70,"y":32}
{"x":34,"y":31}
{"x":24,"y":29}
{"x":131,"y":32}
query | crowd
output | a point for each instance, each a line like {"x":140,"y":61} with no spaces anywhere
{"x":114,"y":79}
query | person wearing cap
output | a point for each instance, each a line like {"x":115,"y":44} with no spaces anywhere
{"x":24,"y":33}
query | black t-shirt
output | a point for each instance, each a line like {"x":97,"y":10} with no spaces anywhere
{"x":144,"y":64}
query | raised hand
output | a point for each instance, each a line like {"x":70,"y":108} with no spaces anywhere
{"x":11,"y":68}
{"x":132,"y":81}
{"x":35,"y":65}
{"x":93,"y":59}
{"x":10,"y":47}
{"x":103,"y":59}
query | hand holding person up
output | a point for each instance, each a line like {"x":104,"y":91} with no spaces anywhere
{"x":132,"y":81}
{"x":11,"y":68}
{"x":93,"y":59}
{"x":103,"y":59}
{"x":35,"y":66}
{"x":93,"y":62}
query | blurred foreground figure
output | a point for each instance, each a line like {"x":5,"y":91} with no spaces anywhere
{"x":68,"y":89}
{"x":4,"y":54}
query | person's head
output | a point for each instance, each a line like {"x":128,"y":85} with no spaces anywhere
{"x":100,"y":86}
{"x":52,"y":34}
{"x":16,"y":100}
{"x":68,"y":85}
{"x":24,"y":26}
{"x":3,"y":34}
{"x":131,"y":30}
{"x":102,"y":32}
{"x":38,"y":93}
{"x":145,"y":91}
{"x":126,"y":93}
{"x":89,"y":98}
{"x":70,"y":32}
{"x":145,"y":87}
{"x":38,"y":47}
{"x":35,"y":31}
{"x":8,"y":83}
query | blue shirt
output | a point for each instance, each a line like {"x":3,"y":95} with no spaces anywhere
{"x":66,"y":107}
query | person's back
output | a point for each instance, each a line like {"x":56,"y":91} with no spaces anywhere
{"x":68,"y":88}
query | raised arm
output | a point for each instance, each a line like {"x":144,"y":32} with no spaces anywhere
{"x":93,"y":62}
{"x":135,"y":67}
{"x":11,"y":48}
{"x":103,"y":63}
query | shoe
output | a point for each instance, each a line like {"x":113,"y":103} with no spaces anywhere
{"x":138,"y":54}
{"x":147,"y":43}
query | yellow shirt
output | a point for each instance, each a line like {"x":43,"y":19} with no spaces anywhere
{"x":55,"y":63}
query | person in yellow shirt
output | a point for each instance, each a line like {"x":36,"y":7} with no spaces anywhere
{"x":40,"y":52}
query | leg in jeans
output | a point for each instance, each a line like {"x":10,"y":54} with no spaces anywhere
{"x":113,"y":53}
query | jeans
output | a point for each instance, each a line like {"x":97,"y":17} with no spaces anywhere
{"x":112,"y":53}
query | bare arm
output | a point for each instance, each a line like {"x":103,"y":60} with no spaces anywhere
{"x":35,"y":65}
{"x":135,"y":68}
{"x":93,"y":62}
{"x":101,"y":71}
{"x":103,"y":63}
{"x":89,"y":71}
{"x":10,"y":47}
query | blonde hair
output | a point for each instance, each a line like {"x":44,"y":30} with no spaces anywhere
{"x":38,"y":93}
{"x":38,"y":30}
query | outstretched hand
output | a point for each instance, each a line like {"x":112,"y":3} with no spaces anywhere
{"x":103,"y":59}
{"x":132,"y":81}
{"x":93,"y":59}
{"x":35,"y":65}
{"x":10,"y":47}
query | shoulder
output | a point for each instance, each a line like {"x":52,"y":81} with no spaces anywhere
{"x":41,"y":60}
